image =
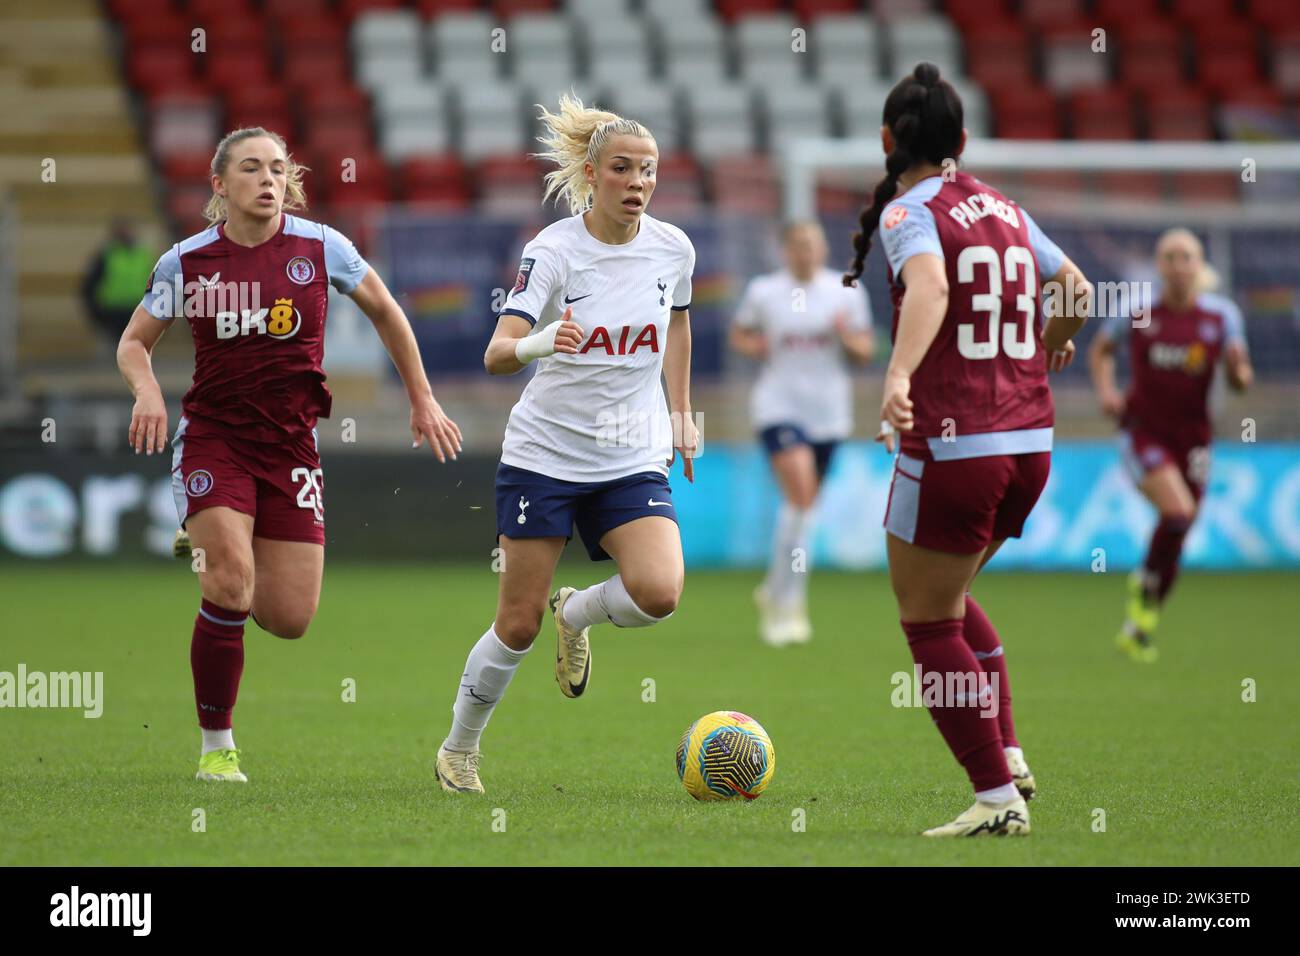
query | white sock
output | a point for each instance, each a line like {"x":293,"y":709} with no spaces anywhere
{"x":785,"y":585}
{"x":488,"y":670}
{"x":998,"y":795}
{"x":606,"y":601}
{"x":218,"y":739}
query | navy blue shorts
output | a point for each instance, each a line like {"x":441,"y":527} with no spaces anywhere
{"x":532,"y":505}
{"x":777,"y":438}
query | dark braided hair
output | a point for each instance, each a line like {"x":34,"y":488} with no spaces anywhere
{"x":924,"y":114}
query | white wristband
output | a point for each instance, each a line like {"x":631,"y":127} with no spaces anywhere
{"x":537,"y":344}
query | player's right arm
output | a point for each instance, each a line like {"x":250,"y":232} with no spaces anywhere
{"x":512,"y":346}
{"x":148,"y":429}
{"x":162,"y":303}
{"x":515,"y":343}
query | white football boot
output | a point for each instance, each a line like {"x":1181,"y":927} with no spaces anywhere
{"x":1021,"y":775}
{"x":984,"y":819}
{"x":458,"y":771}
{"x":774,"y":623}
{"x":572,"y":650}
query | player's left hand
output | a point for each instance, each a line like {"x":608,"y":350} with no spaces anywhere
{"x":1061,"y":358}
{"x":429,"y":421}
{"x":686,"y":442}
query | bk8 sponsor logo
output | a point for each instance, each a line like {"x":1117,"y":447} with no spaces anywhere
{"x":281,"y":321}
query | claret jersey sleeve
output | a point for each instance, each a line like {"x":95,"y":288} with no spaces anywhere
{"x":539,"y":276}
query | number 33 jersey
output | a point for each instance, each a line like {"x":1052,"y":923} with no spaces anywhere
{"x":981,"y":388}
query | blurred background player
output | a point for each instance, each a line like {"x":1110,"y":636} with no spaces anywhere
{"x":967,"y":388}
{"x":1174,"y":348}
{"x":246,"y":473}
{"x":806,"y":328}
{"x":110,"y":288}
{"x":590,"y":441}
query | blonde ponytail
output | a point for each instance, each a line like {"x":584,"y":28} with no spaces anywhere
{"x":295,"y":196}
{"x":576,"y":135}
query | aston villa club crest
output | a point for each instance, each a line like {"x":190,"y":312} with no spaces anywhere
{"x":199,"y":483}
{"x":300,"y":270}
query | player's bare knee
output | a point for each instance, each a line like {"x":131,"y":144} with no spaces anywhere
{"x":658,"y":598}
{"x":228,"y":585}
{"x":518,"y":627}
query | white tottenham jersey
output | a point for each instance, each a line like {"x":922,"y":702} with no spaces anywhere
{"x":600,"y":414}
{"x":805,"y":380}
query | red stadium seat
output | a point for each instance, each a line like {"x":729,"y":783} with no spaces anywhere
{"x":297,"y":36}
{"x":208,"y":11}
{"x":272,"y":98}
{"x":277,"y":122}
{"x":185,"y":208}
{"x":1114,"y":14}
{"x":1221,"y":73}
{"x":156,"y":68}
{"x":240,"y":69}
{"x":433,"y":8}
{"x":1128,"y":184}
{"x":187,"y":168}
{"x":1207,"y":187}
{"x":167,"y":29}
{"x":967,"y":14}
{"x":351,"y":9}
{"x":310,"y":67}
{"x":1178,"y":114}
{"x":1274,"y":14}
{"x":731,"y":10}
{"x":301,"y":10}
{"x":998,"y":55}
{"x":505,"y":9}
{"x":1103,"y":114}
{"x":1193,"y":12}
{"x":1055,"y":13}
{"x":229,"y":37}
{"x":1026,"y":113}
{"x":1061,"y":181}
{"x":745,"y":184}
{"x":808,"y":10}
{"x":437,"y":179}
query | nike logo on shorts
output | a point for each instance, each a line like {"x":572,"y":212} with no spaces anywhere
{"x":568,"y":301}
{"x":656,"y":504}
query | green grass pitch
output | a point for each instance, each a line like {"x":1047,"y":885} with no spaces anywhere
{"x":1184,"y":770}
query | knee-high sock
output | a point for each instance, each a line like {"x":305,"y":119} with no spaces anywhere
{"x":1162,"y":556}
{"x":488,"y":670}
{"x":606,"y":601}
{"x":785,"y":585}
{"x":939,"y":647}
{"x":217,"y":661}
{"x":982,"y":638}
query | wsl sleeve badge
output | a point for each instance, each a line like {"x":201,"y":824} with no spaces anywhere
{"x":725,"y":755}
{"x":521,"y":280}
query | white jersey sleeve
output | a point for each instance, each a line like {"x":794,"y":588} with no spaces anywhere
{"x":682,"y":292}
{"x":343,"y":263}
{"x":541,"y":273}
{"x":907,"y":229}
